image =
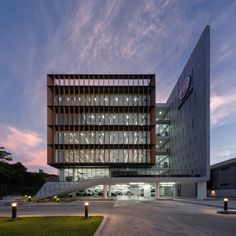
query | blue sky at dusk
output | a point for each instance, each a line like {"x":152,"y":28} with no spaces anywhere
{"x":123,"y":36}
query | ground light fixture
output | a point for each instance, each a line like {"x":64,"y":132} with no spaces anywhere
{"x":29,"y":198}
{"x":13,"y":210}
{"x":86,"y":204}
{"x":226,"y":204}
{"x":213,"y":193}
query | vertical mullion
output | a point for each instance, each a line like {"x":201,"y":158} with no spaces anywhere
{"x":59,"y":118}
{"x":54,"y":122}
{"x":88,"y":110}
{"x":132,"y":134}
{"x":84,"y":114}
{"x":128,"y":92}
{"x":68,"y":116}
{"x":108,"y":115}
{"x":99,"y":119}
{"x":143,"y":117}
{"x":64,"y":115}
{"x":74,"y":134}
{"x":95,"y":115}
{"x":104,"y":114}
{"x":123,"y":92}
{"x":79,"y":119}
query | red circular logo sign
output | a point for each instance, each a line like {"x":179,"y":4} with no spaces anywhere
{"x":184,"y":87}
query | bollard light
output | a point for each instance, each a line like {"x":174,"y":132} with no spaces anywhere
{"x":14,"y":210}
{"x":86,"y":204}
{"x":213,"y":193}
{"x":29,"y":198}
{"x":225,"y":204}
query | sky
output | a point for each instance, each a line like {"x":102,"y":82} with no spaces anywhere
{"x":124,"y":36}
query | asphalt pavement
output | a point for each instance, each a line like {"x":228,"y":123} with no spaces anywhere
{"x":141,"y":218}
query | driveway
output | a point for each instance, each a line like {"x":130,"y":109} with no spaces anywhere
{"x":134,"y":218}
{"x":167,"y":218}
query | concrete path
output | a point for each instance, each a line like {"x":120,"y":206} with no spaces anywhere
{"x":167,"y":218}
{"x":141,"y":218}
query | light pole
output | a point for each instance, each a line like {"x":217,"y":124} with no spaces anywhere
{"x":14,"y":210}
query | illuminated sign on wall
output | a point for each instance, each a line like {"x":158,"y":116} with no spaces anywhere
{"x":184,"y":88}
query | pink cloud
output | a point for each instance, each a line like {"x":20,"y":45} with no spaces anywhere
{"x":26,"y":146}
{"x":223,"y":108}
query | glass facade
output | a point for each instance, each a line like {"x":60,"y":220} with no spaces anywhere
{"x":102,"y":137}
{"x":83,"y":173}
{"x":106,"y":120}
{"x":102,"y":100}
{"x":102,"y":156}
{"x":102,"y":119}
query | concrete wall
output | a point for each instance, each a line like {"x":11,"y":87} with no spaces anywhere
{"x":224,"y":177}
{"x":188,"y":190}
{"x":190,"y":116}
{"x":222,"y":193}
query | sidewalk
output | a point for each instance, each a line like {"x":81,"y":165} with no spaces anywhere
{"x":218,"y":203}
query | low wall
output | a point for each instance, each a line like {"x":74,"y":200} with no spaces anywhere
{"x":222,"y":193}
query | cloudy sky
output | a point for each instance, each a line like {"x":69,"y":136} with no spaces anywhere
{"x":129,"y":36}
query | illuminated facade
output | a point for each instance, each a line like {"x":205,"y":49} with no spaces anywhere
{"x":101,"y":125}
{"x":110,"y":126}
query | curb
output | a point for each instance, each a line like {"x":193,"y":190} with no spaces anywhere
{"x":101,"y":227}
{"x":229,"y":212}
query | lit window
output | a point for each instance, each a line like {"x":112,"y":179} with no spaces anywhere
{"x":160,"y":112}
{"x":116,"y":98}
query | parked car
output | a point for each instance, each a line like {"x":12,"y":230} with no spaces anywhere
{"x":129,"y":193}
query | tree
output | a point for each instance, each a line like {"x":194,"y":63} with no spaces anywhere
{"x":4,"y":155}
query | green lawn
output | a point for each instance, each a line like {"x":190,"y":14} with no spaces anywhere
{"x":45,"y":226}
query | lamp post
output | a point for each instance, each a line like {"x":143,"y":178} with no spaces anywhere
{"x":86,"y":209}
{"x":225,"y":204}
{"x":14,"y":210}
